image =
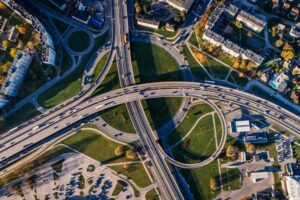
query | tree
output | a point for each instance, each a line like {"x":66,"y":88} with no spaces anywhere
{"x":287,"y":51}
{"x":137,"y":7}
{"x":2,"y":79}
{"x":13,"y":52}
{"x":5,"y":67}
{"x":213,"y":184}
{"x":239,"y":25}
{"x":2,"y":5}
{"x":146,"y":7}
{"x":21,"y":29}
{"x":119,"y":150}
{"x":5,"y":44}
{"x":250,"y":65}
{"x":273,"y":31}
{"x":130,"y":154}
{"x":231,"y":152}
{"x":243,"y":64}
{"x":250,"y":148}
{"x":236,"y":64}
{"x":201,"y":57}
{"x":279,"y":43}
{"x":177,"y":19}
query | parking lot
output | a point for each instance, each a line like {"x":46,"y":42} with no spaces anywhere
{"x":283,"y":148}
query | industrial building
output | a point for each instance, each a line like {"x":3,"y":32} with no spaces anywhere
{"x":257,"y":176}
{"x":240,"y":126}
{"x":292,"y":187}
{"x":147,"y":23}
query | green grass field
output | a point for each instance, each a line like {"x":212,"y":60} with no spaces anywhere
{"x":118,"y":118}
{"x":26,"y":112}
{"x":231,"y":179}
{"x":95,"y":146}
{"x":160,"y":111}
{"x":196,"y":69}
{"x":69,"y":86}
{"x":60,"y":25}
{"x":135,"y":172}
{"x":198,"y":180}
{"x":152,"y":195}
{"x":99,"y":67}
{"x":192,"y":116}
{"x":79,"y":41}
{"x":235,"y":79}
{"x":152,"y":63}
{"x":160,"y":31}
{"x":201,"y":142}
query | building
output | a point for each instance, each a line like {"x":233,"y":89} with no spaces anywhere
{"x":240,"y":126}
{"x":279,"y":82}
{"x":256,"y":138}
{"x":250,"y":21}
{"x":216,"y":16}
{"x":295,"y":32}
{"x":232,"y":48}
{"x":182,"y":5}
{"x":292,"y":185}
{"x":147,"y":23}
{"x":61,"y":4}
{"x":170,"y":27}
{"x":13,"y":34}
{"x":257,"y":176}
{"x":3,"y":22}
{"x":213,"y":38}
{"x":81,"y":13}
{"x":232,"y":10}
{"x":254,"y":57}
{"x":16,"y":74}
{"x":48,"y":56}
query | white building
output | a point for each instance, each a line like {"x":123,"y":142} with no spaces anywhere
{"x":147,"y":23}
{"x":292,"y":184}
{"x":240,"y":126}
{"x":251,"y":21}
{"x":182,"y":5}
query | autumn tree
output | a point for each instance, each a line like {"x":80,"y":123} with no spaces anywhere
{"x":2,"y":5}
{"x":287,"y":51}
{"x":2,"y":79}
{"x":213,"y":184}
{"x":130,"y":154}
{"x":137,"y":7}
{"x":239,"y":25}
{"x":279,"y":43}
{"x":5,"y":44}
{"x":119,"y":150}
{"x":5,"y":67}
{"x":201,"y":57}
{"x":13,"y":52}
{"x":250,"y":148}
{"x":236,"y":64}
{"x":243,"y":64}
{"x":231,"y":152}
{"x":21,"y":29}
{"x":273,"y":31}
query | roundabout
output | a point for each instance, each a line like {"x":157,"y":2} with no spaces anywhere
{"x":79,"y":41}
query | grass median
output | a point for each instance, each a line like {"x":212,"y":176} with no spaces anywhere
{"x":70,"y":85}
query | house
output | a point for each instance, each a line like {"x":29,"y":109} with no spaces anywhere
{"x":250,"y":21}
{"x":13,"y":34}
{"x":147,"y":23}
{"x":279,"y":81}
{"x":3,"y":22}
{"x":296,"y":70}
{"x":295,"y":96}
{"x":81,"y":13}
{"x":182,"y":5}
{"x":295,"y":11}
{"x":16,"y":74}
{"x":170,"y":27}
{"x":295,"y":31}
{"x":286,"y":5}
{"x":265,"y":75}
{"x":280,"y":27}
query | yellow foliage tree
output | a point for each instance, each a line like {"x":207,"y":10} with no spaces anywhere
{"x":2,"y":79}
{"x":119,"y":150}
{"x":287,"y":51}
{"x":231,"y":152}
{"x":5,"y":44}
{"x":250,"y":148}
{"x":130,"y":154}
{"x":201,"y":57}
{"x":2,"y":5}
{"x":5,"y":67}
{"x":213,"y":184}
{"x":13,"y":52}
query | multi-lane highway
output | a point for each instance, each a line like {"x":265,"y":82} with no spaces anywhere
{"x":17,"y":140}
